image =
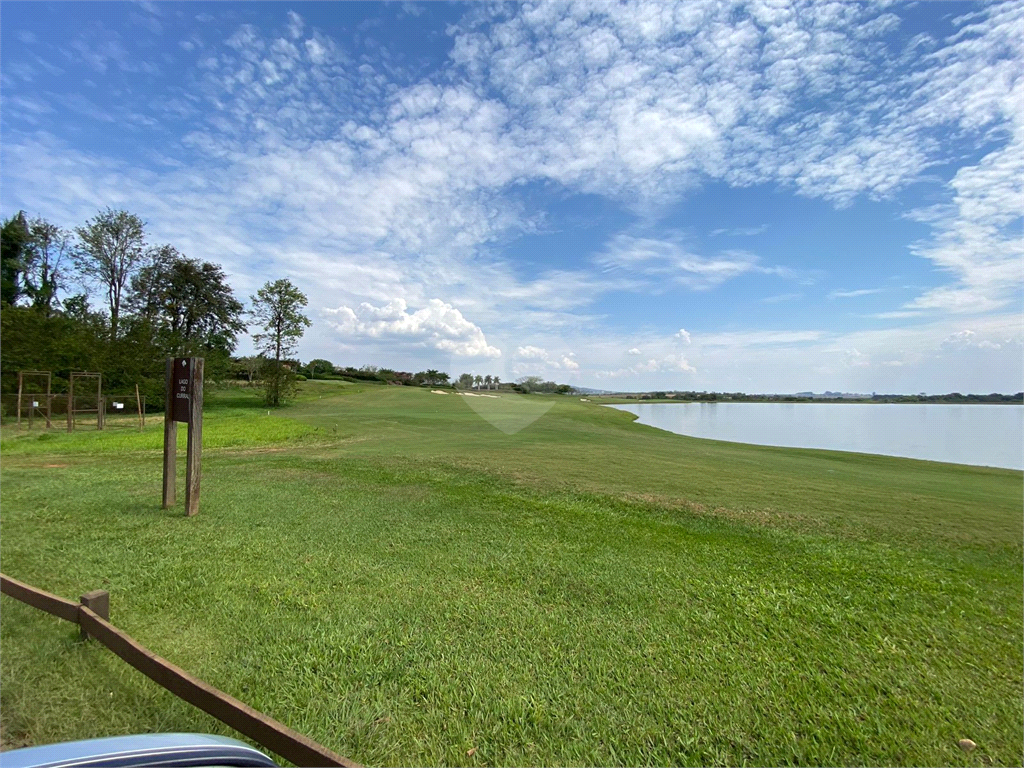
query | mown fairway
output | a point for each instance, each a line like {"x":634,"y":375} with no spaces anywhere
{"x":385,"y":571}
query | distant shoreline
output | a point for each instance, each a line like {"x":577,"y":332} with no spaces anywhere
{"x":628,"y":399}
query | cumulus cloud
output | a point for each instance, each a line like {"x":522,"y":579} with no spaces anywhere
{"x":562,"y":362}
{"x":532,"y":353}
{"x":683,"y":335}
{"x":438,"y":324}
{"x":666,"y":364}
{"x":566,"y":362}
{"x":968,"y":339}
{"x":959,"y":340}
{"x":634,"y":351}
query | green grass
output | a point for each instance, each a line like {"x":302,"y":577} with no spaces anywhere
{"x":384,"y":570}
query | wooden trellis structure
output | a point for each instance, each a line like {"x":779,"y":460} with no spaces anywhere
{"x":98,"y":410}
{"x":34,"y":405}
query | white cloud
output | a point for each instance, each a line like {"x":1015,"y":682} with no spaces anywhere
{"x":559,"y":362}
{"x":438,"y":324}
{"x":661,"y":259}
{"x":295,"y":25}
{"x":667,"y":364}
{"x":400,"y":186}
{"x":959,"y":340}
{"x":781,"y":297}
{"x":854,"y":294}
{"x":683,"y":335}
{"x":759,"y":338}
{"x":740,"y":231}
{"x":968,"y":339}
{"x":532,"y":353}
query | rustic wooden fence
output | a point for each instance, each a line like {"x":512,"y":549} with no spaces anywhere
{"x":91,"y":614}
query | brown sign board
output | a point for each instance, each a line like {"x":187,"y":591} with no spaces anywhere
{"x":181,"y":389}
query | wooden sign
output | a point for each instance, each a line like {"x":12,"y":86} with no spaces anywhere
{"x":184,"y":392}
{"x":184,"y":369}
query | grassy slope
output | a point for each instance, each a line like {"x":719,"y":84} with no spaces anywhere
{"x":387,"y":572}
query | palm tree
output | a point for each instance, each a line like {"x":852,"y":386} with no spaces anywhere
{"x":497,"y":381}
{"x":487,"y":380}
{"x":478,"y":380}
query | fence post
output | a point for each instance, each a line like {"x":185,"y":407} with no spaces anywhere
{"x":170,"y":438}
{"x":97,"y":601}
{"x":138,"y":404}
{"x":71,"y":403}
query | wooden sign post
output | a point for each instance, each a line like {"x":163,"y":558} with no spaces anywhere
{"x":184,"y":403}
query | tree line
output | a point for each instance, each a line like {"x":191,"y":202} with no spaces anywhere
{"x":101,"y":297}
{"x":712,"y":397}
{"x":246,"y":368}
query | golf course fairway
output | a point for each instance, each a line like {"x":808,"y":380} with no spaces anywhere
{"x":412,"y":578}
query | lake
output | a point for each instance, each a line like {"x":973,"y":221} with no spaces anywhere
{"x":984,"y":435}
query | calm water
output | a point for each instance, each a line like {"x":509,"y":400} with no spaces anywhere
{"x":986,"y":435}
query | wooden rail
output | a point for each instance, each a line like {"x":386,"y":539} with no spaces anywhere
{"x":264,"y":730}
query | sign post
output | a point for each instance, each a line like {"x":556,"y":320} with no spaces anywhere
{"x":184,"y":403}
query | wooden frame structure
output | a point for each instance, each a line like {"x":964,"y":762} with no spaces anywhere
{"x":22,"y":375}
{"x":98,"y":410}
{"x":91,"y":614}
{"x":111,"y":402}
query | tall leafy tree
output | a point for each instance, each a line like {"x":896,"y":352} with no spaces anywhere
{"x":13,"y":239}
{"x":45,"y":263}
{"x":320,"y":367}
{"x":111,"y":250}
{"x":277,"y":308}
{"x":189,"y":304}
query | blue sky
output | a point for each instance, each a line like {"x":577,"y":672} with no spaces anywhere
{"x":762,"y":197}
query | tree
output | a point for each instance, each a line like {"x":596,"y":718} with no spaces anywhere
{"x":465,"y":381}
{"x":478,"y":380}
{"x":111,"y":249}
{"x":319,"y":367}
{"x":497,"y":381}
{"x":249,"y":367}
{"x":487,"y":381}
{"x":13,"y":239}
{"x":189,"y":304}
{"x":43,"y":264}
{"x":530,"y":383}
{"x":277,"y":307}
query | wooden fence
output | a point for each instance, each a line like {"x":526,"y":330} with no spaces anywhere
{"x":91,"y":614}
